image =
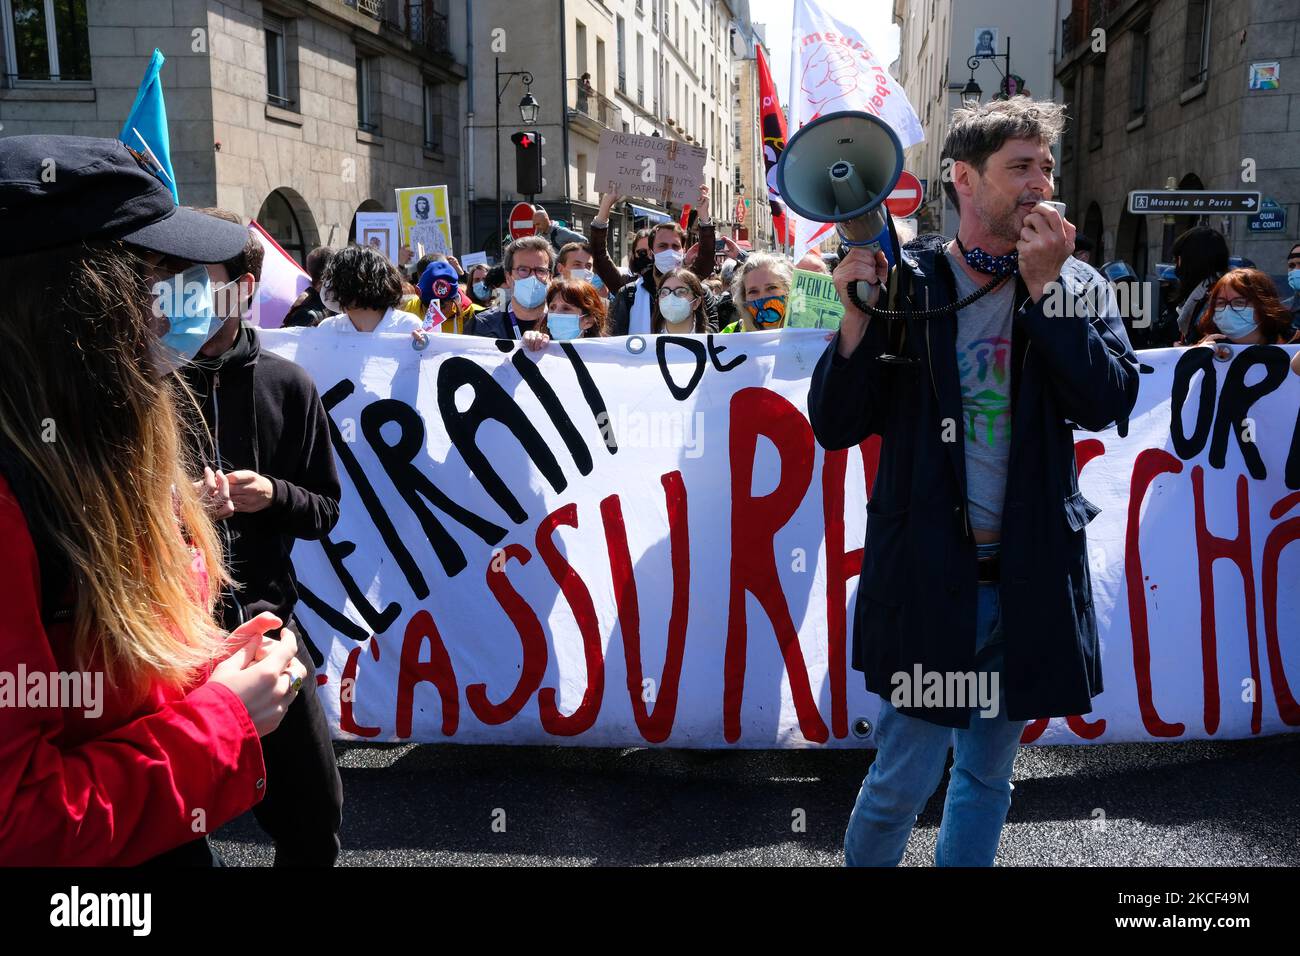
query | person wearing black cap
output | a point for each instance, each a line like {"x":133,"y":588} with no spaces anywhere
{"x":112,"y":566}
{"x":269,"y":438}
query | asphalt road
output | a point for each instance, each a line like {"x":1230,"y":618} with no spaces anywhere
{"x":1231,"y":803}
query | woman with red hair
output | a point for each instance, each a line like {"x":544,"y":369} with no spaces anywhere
{"x":574,"y":310}
{"x":1243,"y":309}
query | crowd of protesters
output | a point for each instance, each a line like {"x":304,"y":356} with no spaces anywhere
{"x":151,"y":539}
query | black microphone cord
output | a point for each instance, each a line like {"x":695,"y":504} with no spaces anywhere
{"x":925,"y":313}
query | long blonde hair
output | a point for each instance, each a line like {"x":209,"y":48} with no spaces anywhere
{"x":778,"y":264}
{"x":100,"y":435}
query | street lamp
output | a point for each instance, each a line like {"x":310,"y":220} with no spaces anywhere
{"x":528,"y":109}
{"x":971,"y":92}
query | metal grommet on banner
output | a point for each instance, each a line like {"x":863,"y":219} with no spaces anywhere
{"x":636,"y":345}
{"x":419,"y":340}
{"x":1222,"y":353}
{"x":862,"y":727}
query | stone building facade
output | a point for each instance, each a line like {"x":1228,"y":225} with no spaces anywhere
{"x":262,"y":100}
{"x":1169,"y":101}
{"x":653,"y":66}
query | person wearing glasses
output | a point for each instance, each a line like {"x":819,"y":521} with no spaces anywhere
{"x":679,"y":304}
{"x":528,"y":263}
{"x":1243,"y":309}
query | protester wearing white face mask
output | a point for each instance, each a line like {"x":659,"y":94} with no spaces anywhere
{"x":679,"y":304}
{"x":1244,"y":310}
{"x":575,"y":263}
{"x":632,"y":312}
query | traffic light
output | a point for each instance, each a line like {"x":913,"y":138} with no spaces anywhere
{"x":528,"y":162}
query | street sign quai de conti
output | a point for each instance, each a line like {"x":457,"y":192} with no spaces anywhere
{"x":1195,"y":202}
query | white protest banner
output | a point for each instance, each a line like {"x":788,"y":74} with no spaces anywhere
{"x":283,"y":280}
{"x":637,"y":540}
{"x":833,"y":68}
{"x":650,"y":167}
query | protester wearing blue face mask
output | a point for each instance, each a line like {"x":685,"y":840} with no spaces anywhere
{"x":1292,"y":303}
{"x":528,"y":264}
{"x":575,"y":310}
{"x":1244,"y":310}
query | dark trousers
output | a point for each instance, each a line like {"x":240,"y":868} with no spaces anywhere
{"x":303,"y":807}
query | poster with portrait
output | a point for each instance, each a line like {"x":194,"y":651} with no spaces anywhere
{"x":379,"y":231}
{"x":986,"y":41}
{"x":425,"y":217}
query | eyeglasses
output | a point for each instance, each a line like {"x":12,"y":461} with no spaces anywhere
{"x":681,"y":292}
{"x":1237,"y":303}
{"x":523,"y":272}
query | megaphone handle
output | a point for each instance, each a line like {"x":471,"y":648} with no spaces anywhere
{"x":858,"y":292}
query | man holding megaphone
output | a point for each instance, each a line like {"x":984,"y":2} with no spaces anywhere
{"x":974,"y":359}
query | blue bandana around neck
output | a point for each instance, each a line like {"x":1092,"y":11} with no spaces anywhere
{"x":981,"y":261}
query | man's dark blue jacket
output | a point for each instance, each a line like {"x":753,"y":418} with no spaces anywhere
{"x":917,"y":593}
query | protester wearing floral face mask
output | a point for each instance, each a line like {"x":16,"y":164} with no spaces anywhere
{"x":761,"y":292}
{"x":1244,"y":310}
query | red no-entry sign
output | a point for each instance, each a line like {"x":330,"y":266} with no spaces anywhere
{"x":521,"y":220}
{"x":906,"y":197}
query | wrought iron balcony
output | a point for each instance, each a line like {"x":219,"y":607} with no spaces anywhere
{"x":585,"y":100}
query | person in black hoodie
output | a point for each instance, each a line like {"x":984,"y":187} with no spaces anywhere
{"x":271,"y":478}
{"x":309,"y":309}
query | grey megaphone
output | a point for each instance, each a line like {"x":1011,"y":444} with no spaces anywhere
{"x":839,"y":168}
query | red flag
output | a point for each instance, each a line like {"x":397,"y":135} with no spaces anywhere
{"x":772,"y":121}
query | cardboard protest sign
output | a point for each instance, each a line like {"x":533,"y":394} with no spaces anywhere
{"x":650,"y":167}
{"x":379,"y":230}
{"x":631,"y":541}
{"x":425,"y":219}
{"x":814,"y":304}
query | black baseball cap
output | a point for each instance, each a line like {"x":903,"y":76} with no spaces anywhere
{"x":60,"y":190}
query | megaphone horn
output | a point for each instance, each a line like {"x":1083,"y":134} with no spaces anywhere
{"x":839,"y":168}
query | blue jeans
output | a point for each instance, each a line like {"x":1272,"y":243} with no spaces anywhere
{"x":910,"y":757}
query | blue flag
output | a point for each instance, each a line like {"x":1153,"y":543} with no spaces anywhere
{"x":145,"y":130}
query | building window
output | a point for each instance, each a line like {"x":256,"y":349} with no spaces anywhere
{"x":367,"y":76}
{"x":277,"y":71}
{"x":1137,"y":82}
{"x":640,"y":69}
{"x":432,"y":117}
{"x":620,"y":52}
{"x":46,"y":40}
{"x":1097,"y":119}
{"x":1196,"y":50}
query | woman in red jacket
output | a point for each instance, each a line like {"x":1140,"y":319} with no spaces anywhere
{"x":129,"y":723}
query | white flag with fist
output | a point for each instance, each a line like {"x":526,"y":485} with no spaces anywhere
{"x":832,"y":68}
